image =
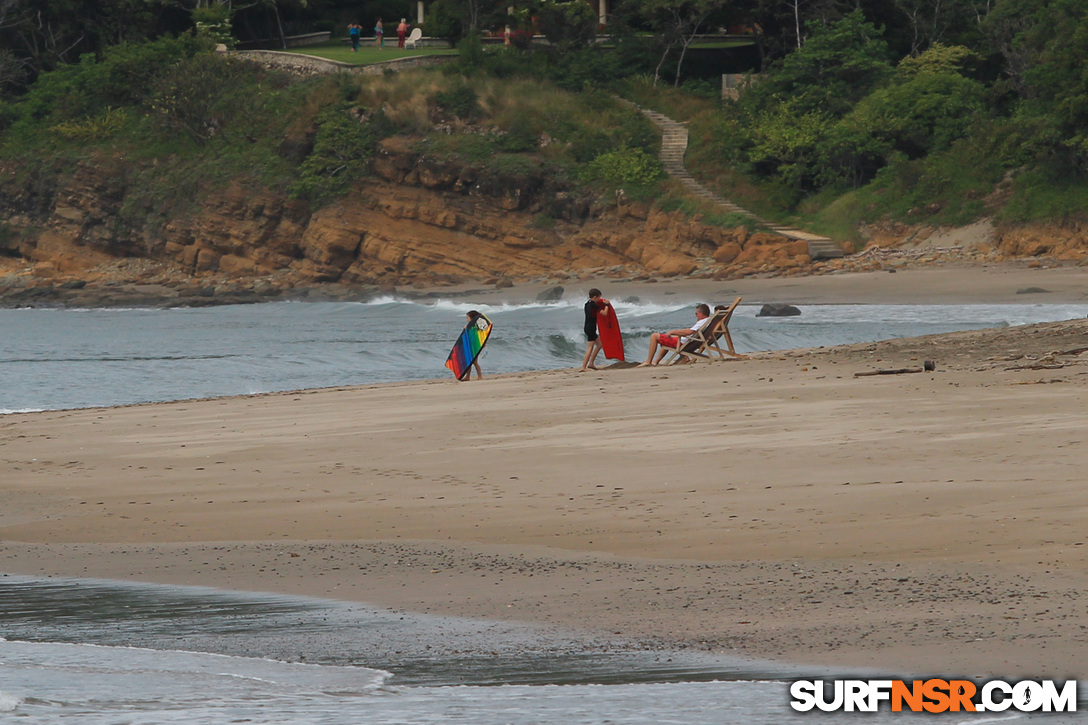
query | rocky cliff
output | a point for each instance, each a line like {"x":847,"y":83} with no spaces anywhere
{"x":415,"y":221}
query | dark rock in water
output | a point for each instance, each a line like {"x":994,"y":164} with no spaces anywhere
{"x":778,"y":310}
{"x":633,"y":299}
{"x":552,"y":294}
{"x":1032,"y":291}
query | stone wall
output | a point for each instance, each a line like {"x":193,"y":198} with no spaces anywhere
{"x":733,"y":83}
{"x":309,"y":65}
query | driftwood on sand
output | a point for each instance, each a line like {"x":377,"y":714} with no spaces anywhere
{"x":927,"y":366}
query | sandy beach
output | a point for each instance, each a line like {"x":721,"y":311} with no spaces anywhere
{"x":777,"y":507}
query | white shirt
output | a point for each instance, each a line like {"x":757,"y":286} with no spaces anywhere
{"x":699,"y":324}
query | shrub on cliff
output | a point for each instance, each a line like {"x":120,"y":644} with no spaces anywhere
{"x":200,"y":97}
{"x":74,"y":93}
{"x":9,"y":114}
{"x":461,"y":101}
{"x":342,"y":149}
{"x":97,"y":128}
{"x":623,"y":167}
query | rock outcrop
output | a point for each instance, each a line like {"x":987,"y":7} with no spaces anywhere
{"x":1066,"y":243}
{"x":415,"y":221}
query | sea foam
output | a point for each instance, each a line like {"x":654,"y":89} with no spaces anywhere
{"x":9,"y":702}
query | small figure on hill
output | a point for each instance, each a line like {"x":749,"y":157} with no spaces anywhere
{"x":379,"y":34}
{"x":354,"y":30}
{"x":662,"y":342}
{"x":595,"y":306}
{"x":402,"y":31}
{"x":472,"y":316}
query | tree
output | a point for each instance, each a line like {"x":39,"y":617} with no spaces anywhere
{"x":567,"y":24}
{"x":42,"y":34}
{"x":213,"y":17}
{"x":838,"y":66}
{"x":13,"y":72}
{"x":791,"y":124}
{"x":782,"y":26}
{"x":227,"y":5}
{"x":1020,"y":31}
{"x":678,"y":22}
{"x":473,"y":13}
{"x":1056,"y":80}
{"x":929,"y":105}
{"x":931,"y":21}
{"x":194,"y":97}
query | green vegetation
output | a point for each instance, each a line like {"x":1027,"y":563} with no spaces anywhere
{"x":837,"y":133}
{"x":184,"y":121}
{"x":96,"y":128}
{"x":920,"y":111}
{"x":705,"y":212}
{"x":623,"y":166}
{"x":188,"y":122}
{"x":367,"y":53}
{"x":343,"y":145}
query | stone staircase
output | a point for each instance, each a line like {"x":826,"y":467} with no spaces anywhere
{"x":674,"y":144}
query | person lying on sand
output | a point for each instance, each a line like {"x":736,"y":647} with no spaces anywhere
{"x":662,"y":342}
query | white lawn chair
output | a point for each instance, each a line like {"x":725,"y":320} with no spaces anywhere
{"x":413,"y":38}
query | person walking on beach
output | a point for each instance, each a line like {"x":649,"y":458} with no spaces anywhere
{"x":662,"y":342}
{"x":472,"y":316}
{"x":353,"y":32}
{"x":379,"y":34}
{"x":596,"y":305}
{"x":402,"y":30}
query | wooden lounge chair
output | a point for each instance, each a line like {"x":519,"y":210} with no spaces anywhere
{"x":413,"y":38}
{"x":706,"y":340}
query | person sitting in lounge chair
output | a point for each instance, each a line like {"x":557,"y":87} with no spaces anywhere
{"x":662,"y":342}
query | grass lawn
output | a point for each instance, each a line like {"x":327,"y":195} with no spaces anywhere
{"x":722,"y":43}
{"x":335,"y":50}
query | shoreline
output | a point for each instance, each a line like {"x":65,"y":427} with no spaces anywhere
{"x":748,"y":615}
{"x":995,"y":283}
{"x":776,"y":507}
{"x":950,"y":283}
{"x":429,"y":649}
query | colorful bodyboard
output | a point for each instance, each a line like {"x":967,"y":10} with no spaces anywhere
{"x":608,"y":329}
{"x":469,"y":346}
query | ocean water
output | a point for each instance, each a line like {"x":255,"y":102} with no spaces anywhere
{"x":52,"y":358}
{"x":107,"y":653}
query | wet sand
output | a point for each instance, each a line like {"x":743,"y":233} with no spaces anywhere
{"x":773,"y":507}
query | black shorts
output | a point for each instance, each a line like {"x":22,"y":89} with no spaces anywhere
{"x":591,"y":335}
